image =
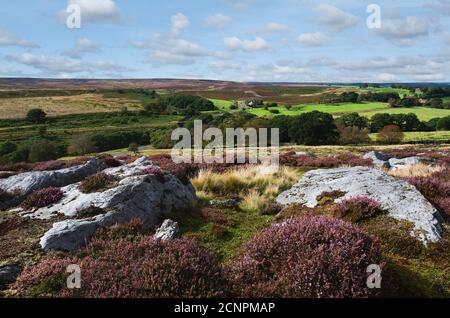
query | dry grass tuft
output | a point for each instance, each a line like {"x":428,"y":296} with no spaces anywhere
{"x":418,"y":170}
{"x":257,"y":186}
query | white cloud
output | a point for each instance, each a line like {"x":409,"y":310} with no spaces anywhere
{"x":9,"y":39}
{"x":313,"y":39}
{"x":58,"y":64}
{"x":440,"y":6}
{"x":276,"y":27}
{"x":334,"y":18}
{"x":83,"y":45}
{"x":277,"y":69}
{"x":96,"y":10}
{"x":223,"y":66}
{"x":179,"y":22}
{"x":170,"y":58}
{"x":386,"y":78}
{"x":218,"y":21}
{"x":236,"y":44}
{"x":404,"y":31}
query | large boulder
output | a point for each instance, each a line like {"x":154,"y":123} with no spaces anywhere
{"x":403,"y":163}
{"x":400,"y":199}
{"x":137,"y":195}
{"x":378,"y":159}
{"x":25,"y":183}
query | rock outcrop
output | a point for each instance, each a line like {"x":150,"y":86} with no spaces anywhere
{"x":136,"y":195}
{"x":169,"y":230}
{"x":400,"y":199}
{"x":25,"y":183}
{"x":384,"y":161}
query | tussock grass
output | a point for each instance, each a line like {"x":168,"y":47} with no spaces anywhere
{"x":418,"y":170}
{"x":256,"y":186}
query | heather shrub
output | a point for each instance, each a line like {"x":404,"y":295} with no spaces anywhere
{"x":346,"y":159}
{"x":153,"y":170}
{"x":132,"y":230}
{"x":42,"y":198}
{"x":357,"y":209}
{"x":97,"y":182}
{"x":183,"y":171}
{"x":216,"y":216}
{"x":443,"y":205}
{"x":308,"y":257}
{"x":442,"y":175}
{"x":124,"y":269}
{"x":43,"y":166}
{"x":431,"y":187}
{"x":111,"y":162}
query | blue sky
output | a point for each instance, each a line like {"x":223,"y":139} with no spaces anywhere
{"x":240,"y":40}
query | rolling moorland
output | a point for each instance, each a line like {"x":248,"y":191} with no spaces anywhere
{"x":102,"y":132}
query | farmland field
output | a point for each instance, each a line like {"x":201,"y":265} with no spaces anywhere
{"x":11,"y":108}
{"x":327,"y":108}
{"x":423,"y":113}
{"x":422,"y":136}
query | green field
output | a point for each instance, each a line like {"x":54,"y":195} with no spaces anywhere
{"x":222,"y":104}
{"x":423,"y":113}
{"x":364,"y":109}
{"x":327,"y":108}
{"x":401,"y":91}
{"x":422,"y":136}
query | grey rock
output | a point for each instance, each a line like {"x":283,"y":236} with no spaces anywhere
{"x":27,"y":182}
{"x":400,"y":199}
{"x":8,"y":275}
{"x":67,"y":235}
{"x":409,"y":161}
{"x":305,"y":154}
{"x":169,"y":230}
{"x":136,"y":196}
{"x":378,"y":159}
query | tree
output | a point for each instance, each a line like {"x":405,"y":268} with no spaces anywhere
{"x":391,"y":134}
{"x":81,"y":145}
{"x":353,"y":135}
{"x":42,"y":150}
{"x":282,"y":123}
{"x":7,"y":147}
{"x":443,"y":123}
{"x":437,"y":103}
{"x":36,"y":115}
{"x":379,"y":121}
{"x":133,"y":147}
{"x":353,"y":119}
{"x":313,"y":128}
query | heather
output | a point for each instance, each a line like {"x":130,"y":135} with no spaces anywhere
{"x":42,"y":198}
{"x":345,"y":159}
{"x":357,"y":209}
{"x":44,"y":166}
{"x":97,"y":182}
{"x":146,"y":268}
{"x":307,"y":257}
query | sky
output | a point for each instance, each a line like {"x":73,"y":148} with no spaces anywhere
{"x":237,"y":40}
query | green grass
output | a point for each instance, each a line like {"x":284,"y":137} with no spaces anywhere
{"x":423,"y":113}
{"x":222,"y":104}
{"x":336,"y":109}
{"x":224,"y":240}
{"x":422,"y":136}
{"x":401,"y":91}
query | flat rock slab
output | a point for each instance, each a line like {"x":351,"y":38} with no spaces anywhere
{"x":400,"y":199}
{"x":137,"y":195}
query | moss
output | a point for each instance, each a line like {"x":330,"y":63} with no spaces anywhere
{"x":49,"y":286}
{"x":329,"y":197}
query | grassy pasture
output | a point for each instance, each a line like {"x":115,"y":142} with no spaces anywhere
{"x":327,"y":108}
{"x":13,"y":108}
{"x":222,"y":104}
{"x":422,"y":136}
{"x":423,"y":113}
